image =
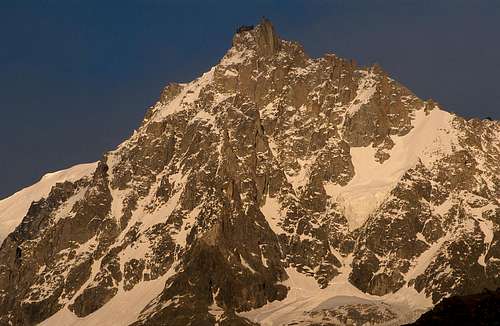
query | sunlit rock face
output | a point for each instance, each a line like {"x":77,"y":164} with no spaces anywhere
{"x":274,"y":189}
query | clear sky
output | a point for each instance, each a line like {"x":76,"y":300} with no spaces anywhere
{"x":77,"y":76}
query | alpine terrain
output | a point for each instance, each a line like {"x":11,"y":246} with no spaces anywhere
{"x":275,"y":189}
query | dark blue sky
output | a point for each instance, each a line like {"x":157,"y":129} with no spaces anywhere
{"x":77,"y":76}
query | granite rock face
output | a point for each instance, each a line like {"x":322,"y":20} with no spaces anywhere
{"x":270,"y":168}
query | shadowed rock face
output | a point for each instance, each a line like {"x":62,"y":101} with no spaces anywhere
{"x":474,"y":309}
{"x":252,"y":169}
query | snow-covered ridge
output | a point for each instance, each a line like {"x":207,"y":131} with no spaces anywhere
{"x":15,"y":207}
{"x":185,"y":99}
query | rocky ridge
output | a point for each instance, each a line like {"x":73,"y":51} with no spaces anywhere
{"x":273,"y":181}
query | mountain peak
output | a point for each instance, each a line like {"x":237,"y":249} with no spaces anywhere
{"x":263,"y":37}
{"x":272,"y":184}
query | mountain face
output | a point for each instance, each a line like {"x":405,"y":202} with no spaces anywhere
{"x":14,"y":208}
{"x":275,"y":189}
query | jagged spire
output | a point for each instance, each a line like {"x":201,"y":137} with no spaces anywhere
{"x":267,"y":39}
{"x":263,"y":36}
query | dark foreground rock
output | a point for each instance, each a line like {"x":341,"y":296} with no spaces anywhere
{"x":475,"y":309}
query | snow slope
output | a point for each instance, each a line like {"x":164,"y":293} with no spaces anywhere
{"x":119,"y":311}
{"x":15,"y":207}
{"x":432,"y":133}
{"x":305,"y":295}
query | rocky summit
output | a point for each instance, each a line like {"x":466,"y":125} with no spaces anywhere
{"x":275,"y":189}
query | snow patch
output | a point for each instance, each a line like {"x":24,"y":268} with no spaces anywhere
{"x":299,"y":179}
{"x":245,"y":264}
{"x":272,"y":212}
{"x":425,"y":259}
{"x":216,"y":311}
{"x":366,"y":88}
{"x":486,"y":227}
{"x":237,"y":56}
